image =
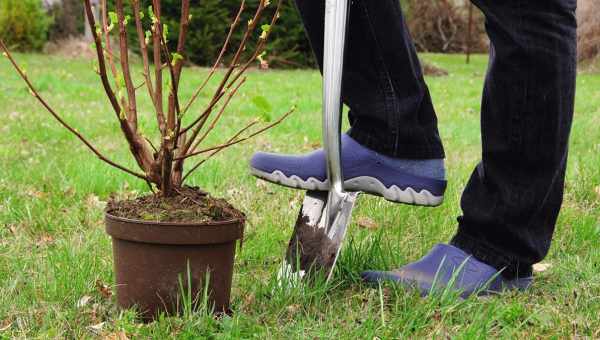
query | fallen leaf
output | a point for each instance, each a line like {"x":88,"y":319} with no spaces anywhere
{"x":34,"y":193}
{"x":6,"y":324}
{"x":93,"y":202}
{"x":249,"y":300}
{"x":97,"y":328}
{"x":541,"y":267}
{"x":367,"y":223}
{"x":83,"y":301}
{"x":12,"y":229}
{"x":116,"y":336}
{"x":104,"y":289}
{"x":292,"y":309}
{"x":597,"y":190}
{"x":44,"y":240}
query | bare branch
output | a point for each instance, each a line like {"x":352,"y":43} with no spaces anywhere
{"x":139,"y":147}
{"x":156,"y":41}
{"x":52,"y":112}
{"x":218,"y":116}
{"x":131,"y":104}
{"x":275,"y":123}
{"x":259,"y":47}
{"x":252,"y":24}
{"x":219,"y":148}
{"x":144,"y":53}
{"x":106,"y":33}
{"x":219,"y":58}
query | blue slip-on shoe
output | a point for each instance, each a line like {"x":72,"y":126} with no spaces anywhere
{"x":448,"y":267}
{"x":419,"y":182}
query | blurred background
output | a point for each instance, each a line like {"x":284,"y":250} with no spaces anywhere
{"x":439,"y":26}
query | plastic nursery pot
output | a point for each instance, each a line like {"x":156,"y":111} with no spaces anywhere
{"x":152,"y":261}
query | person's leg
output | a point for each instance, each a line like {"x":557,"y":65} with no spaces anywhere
{"x":512,"y":200}
{"x":393,"y":148}
{"x":390,"y":106}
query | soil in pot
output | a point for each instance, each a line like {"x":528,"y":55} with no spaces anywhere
{"x":158,"y":241}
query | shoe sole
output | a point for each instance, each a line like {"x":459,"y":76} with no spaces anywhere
{"x":366,"y":184}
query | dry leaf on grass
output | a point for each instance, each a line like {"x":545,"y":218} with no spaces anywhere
{"x":94,"y":202}
{"x":31,"y":192}
{"x":12,"y":228}
{"x":597,"y":190}
{"x":44,"y":240}
{"x":249,"y":300}
{"x":116,"y":336}
{"x":6,"y":324}
{"x":104,"y":289}
{"x":541,"y":267}
{"x":367,"y":223}
{"x":292,"y":309}
{"x":83,"y":301}
{"x":97,"y":328}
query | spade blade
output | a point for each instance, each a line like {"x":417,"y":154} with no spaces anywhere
{"x":313,"y":248}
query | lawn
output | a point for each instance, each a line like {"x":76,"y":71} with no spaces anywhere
{"x":55,"y":258}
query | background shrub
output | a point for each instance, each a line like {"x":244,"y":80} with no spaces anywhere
{"x":209,"y":25}
{"x":442,"y":26}
{"x":24,"y":24}
{"x":68,"y":20}
{"x":589,"y":29}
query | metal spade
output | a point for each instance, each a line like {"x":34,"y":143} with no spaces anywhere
{"x":323,"y":220}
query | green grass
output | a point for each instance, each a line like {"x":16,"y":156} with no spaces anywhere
{"x":53,"y":249}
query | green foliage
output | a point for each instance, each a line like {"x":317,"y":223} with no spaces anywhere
{"x":24,"y":24}
{"x":209,"y":25}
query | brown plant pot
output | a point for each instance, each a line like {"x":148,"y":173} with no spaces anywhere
{"x":151,"y":258}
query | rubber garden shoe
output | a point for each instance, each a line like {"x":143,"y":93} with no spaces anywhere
{"x":448,"y":267}
{"x":419,"y":182}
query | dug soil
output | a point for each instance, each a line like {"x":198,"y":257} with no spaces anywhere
{"x":189,"y":205}
{"x":310,"y":248}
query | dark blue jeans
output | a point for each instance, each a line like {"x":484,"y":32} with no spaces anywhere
{"x":513,"y":198}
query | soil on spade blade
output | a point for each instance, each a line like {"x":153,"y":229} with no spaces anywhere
{"x":189,"y":205}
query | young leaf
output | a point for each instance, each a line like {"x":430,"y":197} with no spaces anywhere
{"x":175,"y":57}
{"x":114,"y":19}
{"x":152,"y":16}
{"x":263,"y":106}
{"x":165,"y":32}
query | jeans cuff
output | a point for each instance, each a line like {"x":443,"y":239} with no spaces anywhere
{"x":387,"y":144}
{"x":509,"y":267}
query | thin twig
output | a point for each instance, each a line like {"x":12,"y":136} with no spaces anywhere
{"x":219,"y":58}
{"x":137,"y":144}
{"x":217,"y":117}
{"x":278,"y":121}
{"x":106,"y":33}
{"x":260,"y":46}
{"x":158,"y":99}
{"x":218,"y":149}
{"x":123,"y":44}
{"x":35,"y":93}
{"x":252,"y":24}
{"x":144,"y":52}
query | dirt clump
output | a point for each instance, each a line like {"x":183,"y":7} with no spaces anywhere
{"x":310,"y":249}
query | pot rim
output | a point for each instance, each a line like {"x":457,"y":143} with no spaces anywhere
{"x":174,"y":233}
